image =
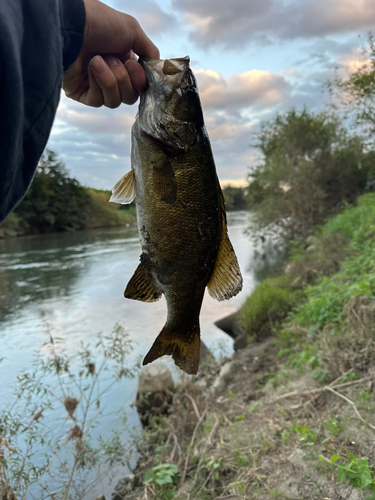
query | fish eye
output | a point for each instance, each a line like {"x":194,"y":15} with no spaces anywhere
{"x":191,"y":94}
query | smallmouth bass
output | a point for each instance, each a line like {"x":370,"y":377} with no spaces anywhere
{"x":180,"y":210}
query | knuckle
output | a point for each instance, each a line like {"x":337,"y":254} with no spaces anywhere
{"x":130,"y":99}
{"x":113,"y":105}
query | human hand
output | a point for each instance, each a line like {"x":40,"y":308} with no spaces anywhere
{"x":106,"y":71}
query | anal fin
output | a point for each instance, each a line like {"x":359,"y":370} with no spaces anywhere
{"x":124,"y":189}
{"x":142,"y":286}
{"x":226,"y":279}
{"x":184,"y":349}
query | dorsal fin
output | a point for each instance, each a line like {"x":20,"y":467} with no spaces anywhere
{"x":142,"y":286}
{"x":226,"y":279}
{"x":124,"y":189}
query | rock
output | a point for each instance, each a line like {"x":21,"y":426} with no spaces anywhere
{"x":187,"y":488}
{"x":154,"y":393}
{"x":230,"y":325}
{"x":124,"y":487}
{"x":205,"y":356}
{"x":349,"y":493}
{"x":304,"y":382}
{"x":155,"y":378}
{"x":240,"y":342}
{"x":223,"y":375}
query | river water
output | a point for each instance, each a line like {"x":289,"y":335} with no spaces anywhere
{"x":71,"y":285}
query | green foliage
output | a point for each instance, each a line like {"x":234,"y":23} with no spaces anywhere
{"x":357,"y":471}
{"x":253,"y":407}
{"x":326,"y":299}
{"x":235,"y":198}
{"x":240,"y":417}
{"x":308,"y":436}
{"x":241,"y":460}
{"x":266,"y":306}
{"x":162,"y":474}
{"x":310,"y":165}
{"x":104,"y":214}
{"x":213,"y":466}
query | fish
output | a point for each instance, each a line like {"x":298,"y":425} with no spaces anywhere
{"x":180,"y":209}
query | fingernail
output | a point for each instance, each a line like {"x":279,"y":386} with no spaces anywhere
{"x":99,"y":65}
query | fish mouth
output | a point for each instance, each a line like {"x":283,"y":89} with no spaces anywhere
{"x":165,"y":67}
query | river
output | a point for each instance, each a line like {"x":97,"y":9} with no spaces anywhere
{"x":71,"y":285}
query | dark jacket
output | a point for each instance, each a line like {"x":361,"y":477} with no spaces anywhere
{"x":39,"y":39}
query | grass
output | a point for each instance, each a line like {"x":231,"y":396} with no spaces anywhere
{"x":325,"y":300}
{"x":266,"y":307}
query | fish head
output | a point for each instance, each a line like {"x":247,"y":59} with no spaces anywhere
{"x":170,"y":111}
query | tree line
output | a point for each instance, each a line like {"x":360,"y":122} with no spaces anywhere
{"x":57,"y":202}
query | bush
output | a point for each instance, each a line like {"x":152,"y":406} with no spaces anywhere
{"x":269,"y":303}
{"x":104,"y":214}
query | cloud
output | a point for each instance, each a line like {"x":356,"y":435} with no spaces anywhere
{"x":233,"y":24}
{"x":251,"y":89}
{"x":153,"y":19}
{"x":94,"y":142}
{"x":94,"y":120}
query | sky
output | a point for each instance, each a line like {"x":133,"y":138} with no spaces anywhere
{"x":252,"y":59}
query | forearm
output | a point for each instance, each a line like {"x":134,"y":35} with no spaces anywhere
{"x":37,"y":38}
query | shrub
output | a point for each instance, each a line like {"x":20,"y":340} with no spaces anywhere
{"x":269,"y":303}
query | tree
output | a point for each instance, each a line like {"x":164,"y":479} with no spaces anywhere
{"x":54,"y":201}
{"x":235,"y":198}
{"x":310,"y":165}
{"x":356,"y":94}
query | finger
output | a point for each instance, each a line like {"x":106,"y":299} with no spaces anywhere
{"x":93,"y":95}
{"x":107,"y":81}
{"x":128,"y":94}
{"x":137,"y":75}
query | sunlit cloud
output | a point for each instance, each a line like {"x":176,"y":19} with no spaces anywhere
{"x":252,"y":88}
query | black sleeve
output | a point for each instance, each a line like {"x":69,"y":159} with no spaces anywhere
{"x":38,"y":40}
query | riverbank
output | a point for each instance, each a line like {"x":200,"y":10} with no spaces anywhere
{"x":98,"y":214}
{"x":290,"y":415}
{"x":44,"y":215}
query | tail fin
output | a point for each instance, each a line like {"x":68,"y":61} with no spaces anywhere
{"x":184,"y":349}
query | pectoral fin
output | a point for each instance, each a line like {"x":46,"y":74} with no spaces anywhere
{"x":142,"y":286}
{"x":124,"y":190}
{"x":226,"y":279}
